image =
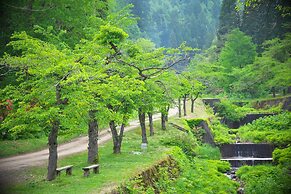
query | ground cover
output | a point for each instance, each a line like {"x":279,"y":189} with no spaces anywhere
{"x":113,"y":168}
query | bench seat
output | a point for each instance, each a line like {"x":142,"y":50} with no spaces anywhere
{"x":95,"y":168}
{"x":67,"y":168}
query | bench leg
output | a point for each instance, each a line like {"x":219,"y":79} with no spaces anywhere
{"x":86,"y":173}
{"x":69,"y":171}
{"x":96,"y":170}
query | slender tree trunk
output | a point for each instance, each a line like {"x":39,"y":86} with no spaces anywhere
{"x":115,"y":138}
{"x":163,"y":121}
{"x":53,"y":152}
{"x":167,"y":113}
{"x":179,"y":106}
{"x":273,"y":91}
{"x":141,"y":116}
{"x":184,"y":105}
{"x":52,"y":141}
{"x":93,"y":156}
{"x":192,"y":105}
{"x":151,"y":124}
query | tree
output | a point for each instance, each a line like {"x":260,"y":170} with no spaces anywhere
{"x":229,"y":19}
{"x":236,"y":54}
{"x":42,"y":71}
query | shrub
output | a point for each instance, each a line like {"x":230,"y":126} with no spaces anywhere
{"x":282,"y":157}
{"x":206,"y":151}
{"x":265,"y":179}
{"x":273,"y":129}
{"x":186,"y":141}
{"x":231,"y":112}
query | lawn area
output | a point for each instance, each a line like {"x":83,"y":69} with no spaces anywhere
{"x":113,"y":168}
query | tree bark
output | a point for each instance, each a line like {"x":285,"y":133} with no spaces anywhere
{"x":117,"y":139}
{"x":193,"y":101}
{"x":151,"y":124}
{"x":52,"y":141}
{"x":163,"y":121}
{"x":167,"y":113}
{"x":93,"y":156}
{"x":192,"y":105}
{"x":179,"y":106}
{"x":141,"y":117}
{"x":273,"y":91}
{"x":53,"y":152}
{"x":184,"y":105}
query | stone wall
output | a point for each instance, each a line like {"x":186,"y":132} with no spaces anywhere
{"x":285,"y":101}
{"x":150,"y":176}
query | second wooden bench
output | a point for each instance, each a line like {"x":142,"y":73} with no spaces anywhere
{"x":95,"y":168}
{"x":67,"y":168}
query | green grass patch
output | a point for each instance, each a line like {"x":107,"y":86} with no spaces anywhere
{"x":114,"y":169}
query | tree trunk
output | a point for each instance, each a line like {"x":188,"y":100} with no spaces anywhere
{"x":115,"y":138}
{"x":273,"y":91}
{"x":141,"y":117}
{"x":192,"y":105}
{"x":167,"y":113}
{"x":184,"y":105}
{"x":93,"y":156}
{"x":163,"y":121}
{"x":179,"y":106}
{"x":53,"y":152}
{"x":52,"y":141}
{"x":193,"y":101}
{"x":151,"y":124}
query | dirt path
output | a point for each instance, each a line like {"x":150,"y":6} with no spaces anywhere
{"x":15,"y":163}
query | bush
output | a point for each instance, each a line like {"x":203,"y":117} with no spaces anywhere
{"x":282,"y":157}
{"x":203,"y":177}
{"x":265,"y":179}
{"x":221,"y":133}
{"x":231,"y":112}
{"x":195,"y":127}
{"x":186,"y":141}
{"x":273,"y":129}
{"x":206,"y":151}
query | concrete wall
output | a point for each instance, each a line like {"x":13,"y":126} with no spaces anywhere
{"x":246,"y":150}
{"x":247,"y":119}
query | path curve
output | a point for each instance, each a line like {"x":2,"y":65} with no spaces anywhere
{"x":77,"y":145}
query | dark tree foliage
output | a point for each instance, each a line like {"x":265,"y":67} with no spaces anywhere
{"x":265,"y":21}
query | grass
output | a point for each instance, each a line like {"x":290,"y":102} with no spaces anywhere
{"x":199,"y":112}
{"x":113,"y":168}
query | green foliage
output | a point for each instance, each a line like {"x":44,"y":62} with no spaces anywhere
{"x":230,"y":111}
{"x":265,"y":179}
{"x":282,"y":157}
{"x":194,"y":122}
{"x":186,"y":141}
{"x":238,"y":51}
{"x":273,"y":129}
{"x":205,"y":151}
{"x":203,"y":176}
{"x":111,"y":35}
{"x":196,"y":128}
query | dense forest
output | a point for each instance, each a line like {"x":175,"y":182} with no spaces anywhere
{"x":69,"y":68}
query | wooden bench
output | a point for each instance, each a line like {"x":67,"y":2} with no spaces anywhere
{"x":67,"y":168}
{"x":95,"y":168}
